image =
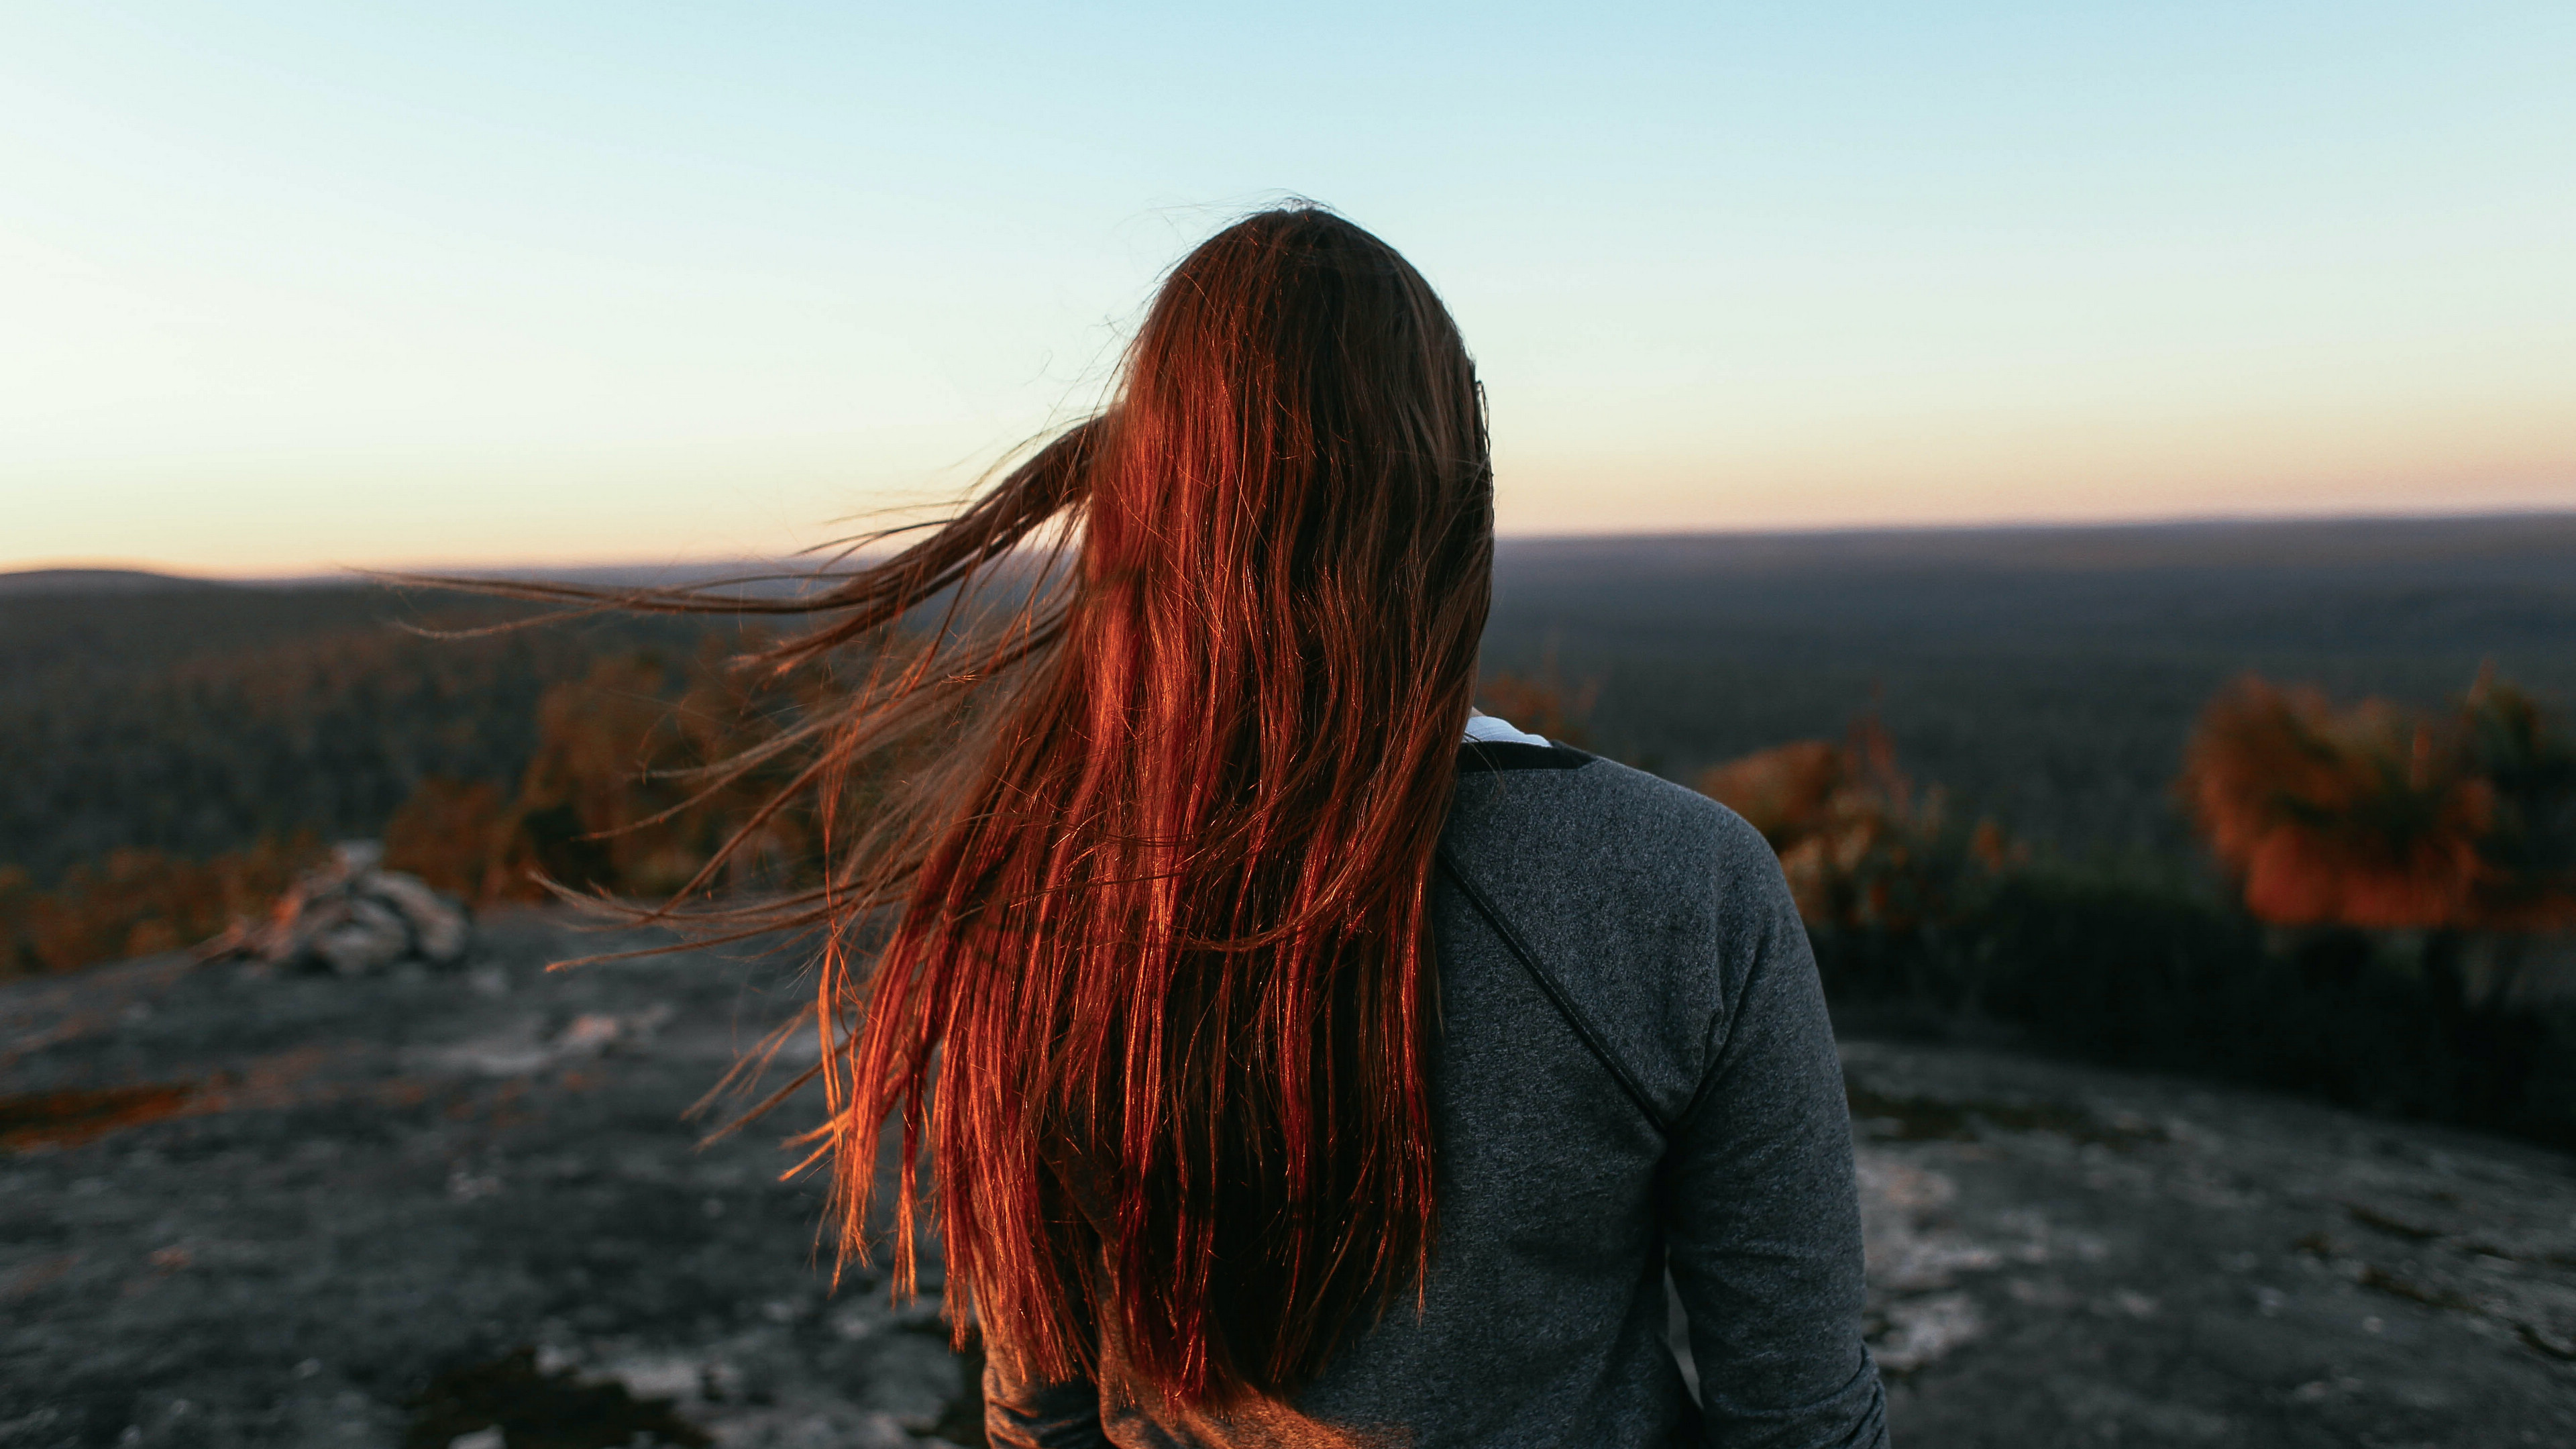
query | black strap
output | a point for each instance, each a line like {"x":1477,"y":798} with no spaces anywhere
{"x":1547,"y":984}
{"x":1481,"y":757}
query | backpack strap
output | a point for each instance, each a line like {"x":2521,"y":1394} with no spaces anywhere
{"x":1549,"y":986}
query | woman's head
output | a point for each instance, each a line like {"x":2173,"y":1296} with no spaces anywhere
{"x":1297,"y":394}
{"x":1286,"y":523}
{"x":1143,"y":856}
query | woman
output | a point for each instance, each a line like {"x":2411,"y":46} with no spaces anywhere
{"x":1299,"y":1059}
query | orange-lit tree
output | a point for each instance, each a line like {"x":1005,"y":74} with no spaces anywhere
{"x":2529,"y":851}
{"x":1860,"y":846}
{"x":628,"y":791}
{"x":642,"y":778}
{"x":1541,"y":703}
{"x":140,"y":901}
{"x":2373,"y":818}
{"x":2378,"y":817}
{"x":2366,"y":816}
{"x":455,"y":835}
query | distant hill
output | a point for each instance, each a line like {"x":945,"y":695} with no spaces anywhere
{"x":195,"y":720}
{"x":2046,"y":675}
{"x":94,"y":581}
{"x":751,"y":578}
{"x":2516,"y":543}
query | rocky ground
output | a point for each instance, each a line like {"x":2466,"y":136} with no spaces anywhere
{"x":460,"y":1210}
{"x":2064,"y":1256}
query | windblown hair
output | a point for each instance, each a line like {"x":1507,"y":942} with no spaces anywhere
{"x":1157,"y":985}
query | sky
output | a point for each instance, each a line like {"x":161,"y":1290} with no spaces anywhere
{"x":293,"y":287}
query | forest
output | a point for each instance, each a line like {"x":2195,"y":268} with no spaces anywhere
{"x":1984,"y":754}
{"x":2049,"y":677}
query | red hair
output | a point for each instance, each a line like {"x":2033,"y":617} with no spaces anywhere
{"x":1144,"y":854}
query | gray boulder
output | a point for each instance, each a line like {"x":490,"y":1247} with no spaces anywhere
{"x":352,"y":918}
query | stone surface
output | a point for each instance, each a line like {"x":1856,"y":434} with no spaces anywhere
{"x":304,"y":1210}
{"x":2067,"y":1256}
{"x":387,"y":1212}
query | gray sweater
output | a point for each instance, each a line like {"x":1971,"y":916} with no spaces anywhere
{"x":1634,"y":1074}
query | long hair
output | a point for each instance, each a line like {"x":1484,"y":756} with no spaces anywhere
{"x":1150,"y":975}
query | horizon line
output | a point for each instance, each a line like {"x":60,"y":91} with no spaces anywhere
{"x":353,"y":573}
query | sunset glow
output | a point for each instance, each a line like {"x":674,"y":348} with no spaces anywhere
{"x":299,"y":286}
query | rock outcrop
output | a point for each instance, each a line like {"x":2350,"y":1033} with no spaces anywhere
{"x":352,"y":918}
{"x":425,"y":1209}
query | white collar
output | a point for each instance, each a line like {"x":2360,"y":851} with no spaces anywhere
{"x":1486,"y":729}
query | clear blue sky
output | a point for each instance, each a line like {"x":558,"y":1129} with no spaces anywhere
{"x":284,"y":286}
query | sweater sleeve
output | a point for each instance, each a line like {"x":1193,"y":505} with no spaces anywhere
{"x":1020,"y":1413}
{"x":1761,"y":1216}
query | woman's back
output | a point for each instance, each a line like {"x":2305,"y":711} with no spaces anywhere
{"x":1631,"y":1065}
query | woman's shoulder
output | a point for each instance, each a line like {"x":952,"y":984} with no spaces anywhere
{"x":1645,"y":904}
{"x":1610,"y":818}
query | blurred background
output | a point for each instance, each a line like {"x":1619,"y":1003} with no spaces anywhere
{"x":2095,"y":486}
